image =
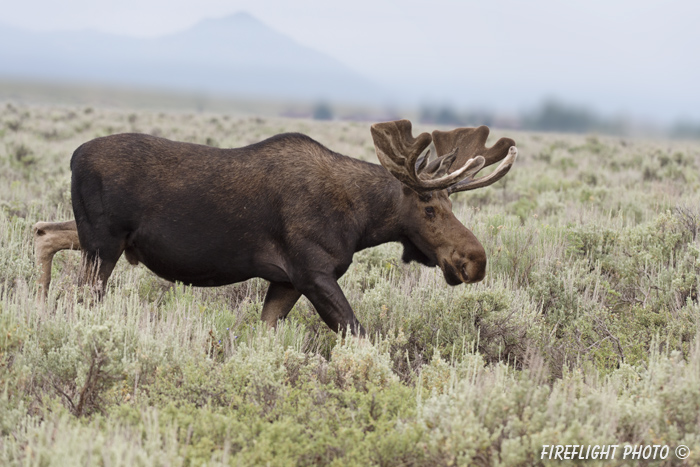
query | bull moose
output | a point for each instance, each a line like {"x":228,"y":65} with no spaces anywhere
{"x":286,"y":209}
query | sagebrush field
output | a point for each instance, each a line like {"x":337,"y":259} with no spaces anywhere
{"x":585,"y":330}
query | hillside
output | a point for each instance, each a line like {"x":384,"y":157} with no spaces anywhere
{"x":236,"y":55}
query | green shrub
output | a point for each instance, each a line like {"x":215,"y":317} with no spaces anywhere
{"x":584,"y":331}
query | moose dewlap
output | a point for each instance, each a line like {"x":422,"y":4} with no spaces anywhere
{"x":287,"y":209}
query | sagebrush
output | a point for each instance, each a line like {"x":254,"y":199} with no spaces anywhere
{"x":583,"y":332}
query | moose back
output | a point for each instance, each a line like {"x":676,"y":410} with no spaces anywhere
{"x":287,"y":209}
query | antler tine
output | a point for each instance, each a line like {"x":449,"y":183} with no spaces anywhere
{"x":396,"y":147}
{"x":398,"y":152}
{"x":470,"y":183}
{"x":470,"y":142}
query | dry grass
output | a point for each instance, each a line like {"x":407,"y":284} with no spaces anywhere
{"x":584,"y":331}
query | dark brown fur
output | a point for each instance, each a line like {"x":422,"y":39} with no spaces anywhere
{"x":286,"y":209}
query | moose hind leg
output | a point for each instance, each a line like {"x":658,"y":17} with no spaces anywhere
{"x":98,"y":264}
{"x":279,"y":301}
{"x":49,"y":239}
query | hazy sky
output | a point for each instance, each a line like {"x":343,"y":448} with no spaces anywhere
{"x":633,"y":56}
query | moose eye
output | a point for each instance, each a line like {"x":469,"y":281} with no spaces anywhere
{"x":430,"y":212}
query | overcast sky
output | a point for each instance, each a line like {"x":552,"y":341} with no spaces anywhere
{"x":636,"y":57}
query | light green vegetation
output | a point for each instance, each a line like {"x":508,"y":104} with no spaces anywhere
{"x":583,"y":332}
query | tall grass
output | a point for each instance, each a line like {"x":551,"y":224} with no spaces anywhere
{"x":583,"y":332}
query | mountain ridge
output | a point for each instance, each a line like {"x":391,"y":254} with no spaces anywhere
{"x":235,"y":55}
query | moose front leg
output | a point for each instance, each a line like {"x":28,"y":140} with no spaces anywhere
{"x":329,"y":300}
{"x":279,"y":301}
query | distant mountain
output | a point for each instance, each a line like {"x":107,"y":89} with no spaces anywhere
{"x":236,"y":55}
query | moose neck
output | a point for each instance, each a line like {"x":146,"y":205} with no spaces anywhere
{"x":380,"y":220}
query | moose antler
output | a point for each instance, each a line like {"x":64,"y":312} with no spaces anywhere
{"x":398,"y":151}
{"x":468,"y":142}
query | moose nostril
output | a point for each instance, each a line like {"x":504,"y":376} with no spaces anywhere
{"x":465,"y":274}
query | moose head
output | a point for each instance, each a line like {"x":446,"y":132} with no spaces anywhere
{"x":432,"y":234}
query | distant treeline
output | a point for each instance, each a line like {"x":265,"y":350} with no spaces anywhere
{"x":551,"y":115}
